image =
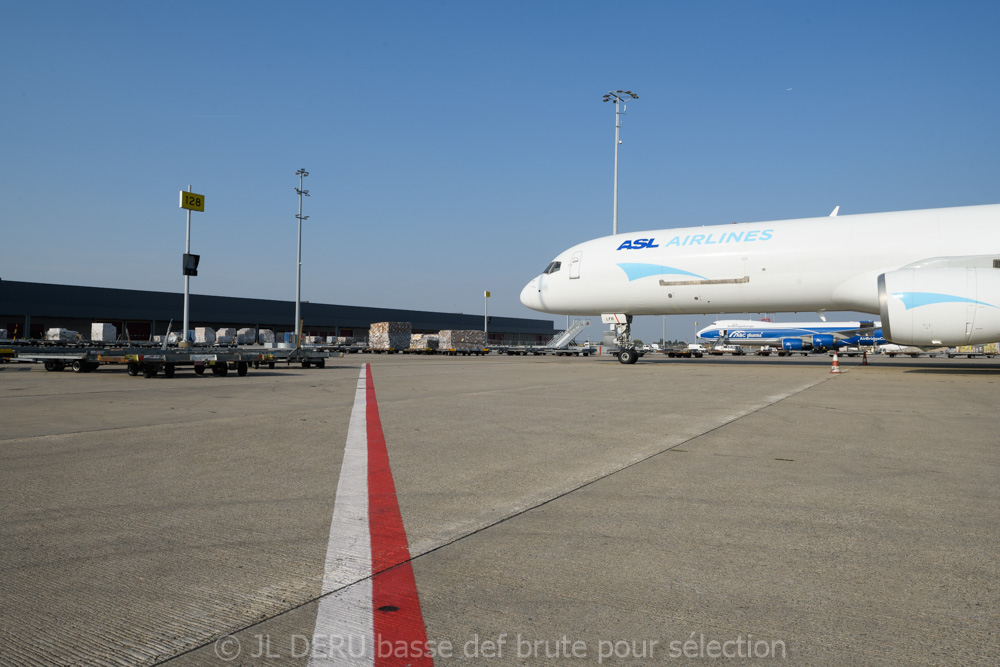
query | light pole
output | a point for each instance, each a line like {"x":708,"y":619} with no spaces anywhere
{"x":619,"y":97}
{"x":301,"y":173}
{"x":187,"y":284}
{"x":191,"y":202}
{"x":486,"y":315}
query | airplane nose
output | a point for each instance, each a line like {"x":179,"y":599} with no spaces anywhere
{"x":530,"y":296}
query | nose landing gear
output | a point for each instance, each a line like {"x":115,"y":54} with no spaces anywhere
{"x":628,"y":355}
{"x":623,"y":336}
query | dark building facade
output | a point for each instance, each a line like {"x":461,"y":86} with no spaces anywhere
{"x":29,"y":309}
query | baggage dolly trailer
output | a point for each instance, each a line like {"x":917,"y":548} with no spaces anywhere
{"x":146,"y":361}
{"x":220,"y":362}
{"x":305,"y":356}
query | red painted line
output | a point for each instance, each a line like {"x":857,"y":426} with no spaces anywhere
{"x":400,"y":633}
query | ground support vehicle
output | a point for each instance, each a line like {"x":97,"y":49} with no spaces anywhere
{"x":451,"y":352}
{"x":465,"y":352}
{"x":576,"y":352}
{"x":686,"y":351}
{"x":539,"y":350}
{"x":719,"y":350}
{"x":146,"y":361}
{"x":307,"y":357}
{"x":150,"y":364}
{"x":57,"y":357}
{"x":989,"y":351}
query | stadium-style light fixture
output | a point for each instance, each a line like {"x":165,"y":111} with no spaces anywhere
{"x":620,"y":97}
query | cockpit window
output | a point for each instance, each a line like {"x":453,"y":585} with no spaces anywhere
{"x":553,"y":267}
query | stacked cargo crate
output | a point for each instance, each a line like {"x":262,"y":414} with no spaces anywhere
{"x":103,"y":332}
{"x":61,"y":334}
{"x":424,"y":342}
{"x":225,"y":336}
{"x":384,"y":336}
{"x":461,"y":340}
{"x":204,"y":335}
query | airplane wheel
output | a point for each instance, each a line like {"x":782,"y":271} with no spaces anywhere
{"x":628,"y":356}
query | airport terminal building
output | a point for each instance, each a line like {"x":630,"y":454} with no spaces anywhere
{"x":30,"y":309}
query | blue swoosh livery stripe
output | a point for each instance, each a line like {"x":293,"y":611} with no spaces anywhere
{"x":917,"y":299}
{"x":637,"y":271}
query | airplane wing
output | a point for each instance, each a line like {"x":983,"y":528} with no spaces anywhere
{"x":864,"y":328}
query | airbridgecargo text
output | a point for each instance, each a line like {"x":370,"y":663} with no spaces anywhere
{"x":504,"y":645}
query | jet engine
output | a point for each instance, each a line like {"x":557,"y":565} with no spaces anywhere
{"x":822,"y":342}
{"x":817,"y":342}
{"x":949,"y":306}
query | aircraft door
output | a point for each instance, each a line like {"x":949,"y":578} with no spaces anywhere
{"x":574,"y":265}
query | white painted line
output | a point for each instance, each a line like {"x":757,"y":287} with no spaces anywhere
{"x":344,"y":632}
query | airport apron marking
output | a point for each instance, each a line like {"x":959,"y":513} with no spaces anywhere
{"x":370,"y":596}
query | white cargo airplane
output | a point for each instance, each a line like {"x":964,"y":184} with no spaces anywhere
{"x":932,"y":275}
{"x":793,"y":336}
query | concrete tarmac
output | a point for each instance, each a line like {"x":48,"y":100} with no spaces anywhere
{"x":557,"y":510}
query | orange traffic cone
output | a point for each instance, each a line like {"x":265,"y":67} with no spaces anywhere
{"x":836,"y":364}
{"x":864,"y":358}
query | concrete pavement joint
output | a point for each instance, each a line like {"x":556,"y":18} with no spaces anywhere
{"x":770,"y":402}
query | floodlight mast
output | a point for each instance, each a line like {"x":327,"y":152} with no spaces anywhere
{"x":619,"y":97}
{"x":301,"y":173}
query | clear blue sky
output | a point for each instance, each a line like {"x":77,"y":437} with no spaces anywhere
{"x":456,"y":147}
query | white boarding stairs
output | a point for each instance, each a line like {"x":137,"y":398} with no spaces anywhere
{"x":564,"y":339}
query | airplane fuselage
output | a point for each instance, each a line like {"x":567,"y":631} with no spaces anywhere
{"x":750,"y":332}
{"x":790,"y":265}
